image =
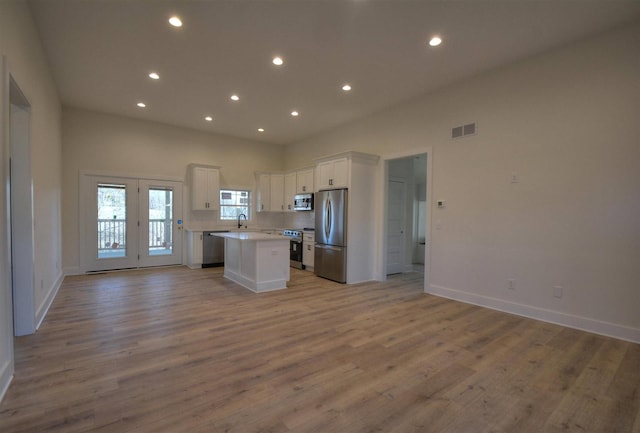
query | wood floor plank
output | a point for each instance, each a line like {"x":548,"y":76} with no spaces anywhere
{"x":178,"y":350}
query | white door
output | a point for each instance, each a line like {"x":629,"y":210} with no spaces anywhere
{"x":396,"y":217}
{"x":130,"y":223}
{"x":160,"y":234}
{"x":110,"y":228}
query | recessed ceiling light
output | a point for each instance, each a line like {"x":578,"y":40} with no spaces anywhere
{"x":208,"y":118}
{"x":346,"y":87}
{"x":277,"y":61}
{"x":175,"y":21}
{"x":435,"y":41}
{"x":295,"y":113}
{"x":260,"y":129}
{"x":141,"y":104}
{"x":154,"y":76}
{"x":235,"y":98}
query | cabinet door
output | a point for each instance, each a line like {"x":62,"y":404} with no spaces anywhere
{"x":324,"y":174}
{"x":194,"y":251}
{"x":333,"y":174}
{"x":276,"y":186}
{"x":199,"y":189}
{"x":263,"y":199}
{"x":290,"y":181}
{"x":205,"y":188}
{"x":304,"y":181}
{"x":308,"y":253}
{"x":340,"y":173}
{"x":213,"y":189}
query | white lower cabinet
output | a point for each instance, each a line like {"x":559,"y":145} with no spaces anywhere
{"x":308,"y":242}
{"x":194,"y":249}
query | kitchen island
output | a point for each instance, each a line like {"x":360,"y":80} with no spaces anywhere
{"x":257,"y":261}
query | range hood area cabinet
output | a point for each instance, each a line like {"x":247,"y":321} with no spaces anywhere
{"x":204,"y":183}
{"x":304,"y":181}
{"x":356,"y":172}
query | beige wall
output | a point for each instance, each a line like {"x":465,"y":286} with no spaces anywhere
{"x":26,"y":63}
{"x":120,"y":145}
{"x":567,"y":123}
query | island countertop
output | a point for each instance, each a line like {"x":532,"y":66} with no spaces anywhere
{"x":250,"y":236}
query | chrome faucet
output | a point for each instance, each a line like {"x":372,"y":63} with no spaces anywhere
{"x":239,"y":223}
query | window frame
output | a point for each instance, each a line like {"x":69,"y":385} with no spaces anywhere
{"x":249,"y":206}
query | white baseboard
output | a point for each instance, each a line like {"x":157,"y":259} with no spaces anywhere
{"x":46,"y":304}
{"x":75,"y":270}
{"x":6,"y":376}
{"x":569,"y":320}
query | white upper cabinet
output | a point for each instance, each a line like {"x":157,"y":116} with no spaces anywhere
{"x":333,"y":174}
{"x":263,"y":199}
{"x":276,"y":186}
{"x":304,"y":182}
{"x":290,"y":181}
{"x":205,"y":188}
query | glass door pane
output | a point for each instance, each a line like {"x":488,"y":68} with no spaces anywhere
{"x":160,"y":221}
{"x":112,"y":221}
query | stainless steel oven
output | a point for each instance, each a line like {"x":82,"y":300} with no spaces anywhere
{"x":295,"y":248}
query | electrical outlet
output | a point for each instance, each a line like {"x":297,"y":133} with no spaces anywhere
{"x":511,"y":284}
{"x":557,"y":291}
{"x":441,"y":204}
{"x":515,"y":178}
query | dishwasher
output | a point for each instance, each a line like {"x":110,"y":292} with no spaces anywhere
{"x":212,"y":249}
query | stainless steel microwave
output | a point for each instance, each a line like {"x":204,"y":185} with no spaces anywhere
{"x":303,"y":202}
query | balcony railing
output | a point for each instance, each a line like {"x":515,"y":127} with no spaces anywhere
{"x":112,"y":234}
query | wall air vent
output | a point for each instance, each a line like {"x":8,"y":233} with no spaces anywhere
{"x":463,"y":131}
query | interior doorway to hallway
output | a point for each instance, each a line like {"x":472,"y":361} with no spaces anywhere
{"x":406,"y":214}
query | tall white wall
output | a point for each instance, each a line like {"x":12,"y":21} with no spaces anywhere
{"x":567,"y":123}
{"x":26,"y":63}
{"x":115,"y":144}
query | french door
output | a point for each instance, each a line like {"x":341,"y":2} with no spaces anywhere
{"x":130,"y":223}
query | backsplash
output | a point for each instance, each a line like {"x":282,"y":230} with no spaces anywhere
{"x":299,"y":220}
{"x":286,"y":220}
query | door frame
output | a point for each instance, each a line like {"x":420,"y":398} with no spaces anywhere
{"x":82,"y":220}
{"x":21,"y":213}
{"x":381,"y":239}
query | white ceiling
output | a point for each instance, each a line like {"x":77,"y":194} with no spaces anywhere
{"x":101,"y":52}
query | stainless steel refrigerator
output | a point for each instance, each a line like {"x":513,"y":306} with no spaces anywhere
{"x":330,"y":258}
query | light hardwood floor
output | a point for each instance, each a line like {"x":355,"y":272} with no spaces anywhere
{"x":179,"y":350}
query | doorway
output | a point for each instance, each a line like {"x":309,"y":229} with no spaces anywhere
{"x":396,"y":221}
{"x":21,"y":213}
{"x":406,"y":217}
{"x":130,"y":223}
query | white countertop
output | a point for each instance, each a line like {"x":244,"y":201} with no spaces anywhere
{"x":250,"y":236}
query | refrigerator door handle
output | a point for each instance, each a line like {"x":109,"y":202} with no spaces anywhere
{"x":327,"y":220}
